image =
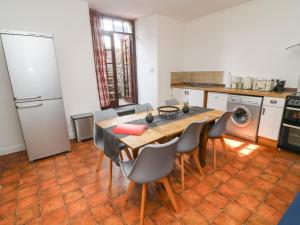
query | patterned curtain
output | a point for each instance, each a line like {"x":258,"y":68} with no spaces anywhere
{"x":99,"y":56}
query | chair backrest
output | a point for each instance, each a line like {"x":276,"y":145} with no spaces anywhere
{"x":143,"y":107}
{"x":98,"y":116}
{"x":190,"y":137}
{"x":154,"y":162}
{"x":172,"y":101}
{"x":218,"y":129}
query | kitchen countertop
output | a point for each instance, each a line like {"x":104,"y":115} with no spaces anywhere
{"x":236,"y":91}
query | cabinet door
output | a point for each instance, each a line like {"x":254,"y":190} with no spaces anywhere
{"x":270,"y":122}
{"x":179,"y":94}
{"x":196,"y":98}
{"x":217,"y":101}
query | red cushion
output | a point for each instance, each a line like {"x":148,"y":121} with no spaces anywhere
{"x":129,"y":129}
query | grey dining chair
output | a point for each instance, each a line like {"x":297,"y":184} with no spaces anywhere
{"x":172,"y":101}
{"x":99,"y":141}
{"x":217,"y":133}
{"x":143,"y":107}
{"x":154,"y":163}
{"x":189,"y":144}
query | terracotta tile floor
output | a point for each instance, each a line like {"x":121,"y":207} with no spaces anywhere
{"x":254,"y":185}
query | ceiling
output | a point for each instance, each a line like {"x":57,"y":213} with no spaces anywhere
{"x":183,"y":10}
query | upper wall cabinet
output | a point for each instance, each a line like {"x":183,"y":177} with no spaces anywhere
{"x":217,"y":101}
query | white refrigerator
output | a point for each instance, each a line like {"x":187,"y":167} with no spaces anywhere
{"x":32,"y":69}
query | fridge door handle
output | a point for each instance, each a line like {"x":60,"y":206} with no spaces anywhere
{"x":30,"y":97}
{"x":29,"y":106}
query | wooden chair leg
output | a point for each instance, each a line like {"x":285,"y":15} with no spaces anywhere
{"x":130,"y":188}
{"x":215,"y":154}
{"x":128,"y":154}
{"x":224,"y":146}
{"x":168,"y":188}
{"x":101,"y":155}
{"x":143,"y":203}
{"x":182,"y":171}
{"x":121,"y":156}
{"x":110,"y":173}
{"x":197,"y":162}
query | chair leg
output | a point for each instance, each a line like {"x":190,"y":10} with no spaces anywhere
{"x":215,"y":154}
{"x":130,"y":188}
{"x":196,"y":159}
{"x":100,"y":160}
{"x":143,"y":203}
{"x":170,"y":193}
{"x":224,"y":146}
{"x":110,"y":173}
{"x":182,"y":171}
{"x":121,"y":156}
{"x":128,"y":154}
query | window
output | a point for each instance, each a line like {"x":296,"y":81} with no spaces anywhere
{"x":119,"y":47}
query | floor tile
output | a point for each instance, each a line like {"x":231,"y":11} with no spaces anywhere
{"x":26,"y":215}
{"x":77,"y":207}
{"x":269,"y":214}
{"x":86,"y":218}
{"x":238,"y":212}
{"x":57,"y":216}
{"x":102,"y":212}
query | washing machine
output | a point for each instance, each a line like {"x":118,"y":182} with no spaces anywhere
{"x":244,"y":121}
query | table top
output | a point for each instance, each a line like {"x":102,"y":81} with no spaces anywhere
{"x":151,"y":135}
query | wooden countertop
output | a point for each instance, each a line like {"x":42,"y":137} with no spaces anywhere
{"x":238,"y":91}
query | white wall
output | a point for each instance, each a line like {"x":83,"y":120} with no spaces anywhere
{"x":160,"y":48}
{"x":249,"y":39}
{"x":170,"y":54}
{"x":68,"y":21}
{"x":146,"y":54}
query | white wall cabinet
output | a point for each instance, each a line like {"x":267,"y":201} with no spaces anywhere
{"x":194,"y":97}
{"x":217,"y":101}
{"x":271,"y":116}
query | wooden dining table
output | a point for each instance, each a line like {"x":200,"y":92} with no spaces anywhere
{"x":163,"y":132}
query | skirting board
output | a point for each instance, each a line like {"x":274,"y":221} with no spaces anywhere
{"x":267,"y":142}
{"x":11,"y":149}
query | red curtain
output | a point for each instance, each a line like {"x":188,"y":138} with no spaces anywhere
{"x":99,"y":56}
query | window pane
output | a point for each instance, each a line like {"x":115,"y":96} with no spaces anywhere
{"x":107,"y":42}
{"x":109,"y":68}
{"x":118,"y":26}
{"x":108,"y":57}
{"x":127,"y":27}
{"x":107,"y":24}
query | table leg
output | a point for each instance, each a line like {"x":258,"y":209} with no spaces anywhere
{"x":135,"y":153}
{"x":203,"y":143}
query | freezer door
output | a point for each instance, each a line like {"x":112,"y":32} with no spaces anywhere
{"x":44,"y":128}
{"x":32,"y":67}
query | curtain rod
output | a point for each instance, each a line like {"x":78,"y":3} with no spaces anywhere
{"x":112,"y":16}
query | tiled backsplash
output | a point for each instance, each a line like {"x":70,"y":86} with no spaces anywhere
{"x":209,"y":77}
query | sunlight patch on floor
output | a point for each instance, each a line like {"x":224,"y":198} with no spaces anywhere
{"x":233,"y":143}
{"x":246,"y":151}
{"x":252,"y":146}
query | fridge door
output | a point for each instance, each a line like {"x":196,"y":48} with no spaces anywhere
{"x":32,"y":67}
{"x":44,"y":128}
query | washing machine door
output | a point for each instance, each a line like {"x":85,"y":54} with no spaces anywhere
{"x":241,"y":117}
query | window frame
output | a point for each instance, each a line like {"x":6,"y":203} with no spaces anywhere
{"x":134,"y":64}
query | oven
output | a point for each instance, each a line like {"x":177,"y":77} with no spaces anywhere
{"x":290,"y":128}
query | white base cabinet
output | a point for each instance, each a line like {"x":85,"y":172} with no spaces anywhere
{"x":271,"y":116}
{"x":194,"y":97}
{"x":217,"y":101}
